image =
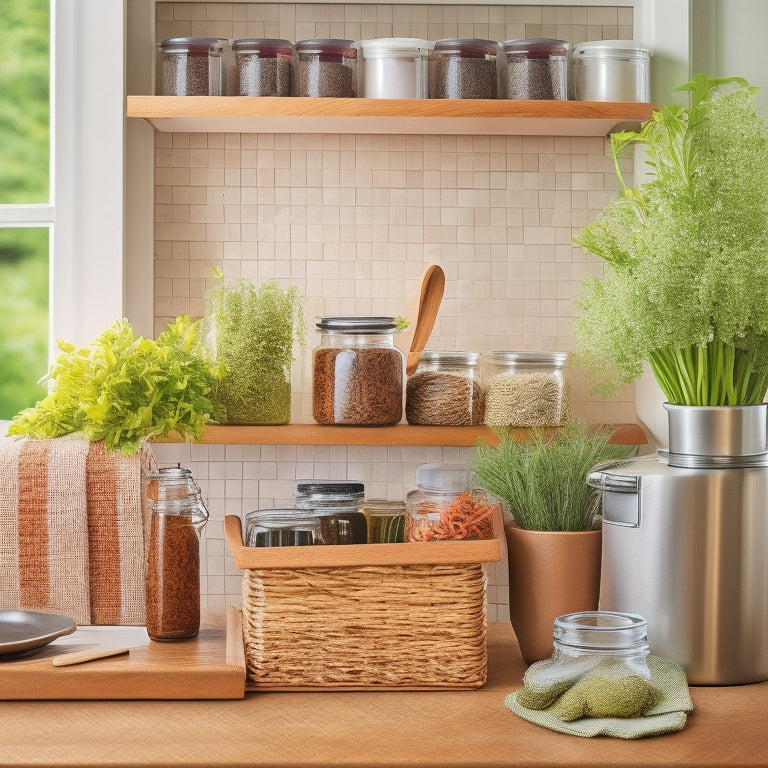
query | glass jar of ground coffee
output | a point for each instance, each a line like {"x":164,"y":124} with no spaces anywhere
{"x":326,"y":69}
{"x":464,"y":69}
{"x":263,"y":66}
{"x":357,"y":372}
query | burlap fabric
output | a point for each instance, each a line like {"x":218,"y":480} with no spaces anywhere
{"x":73,"y":528}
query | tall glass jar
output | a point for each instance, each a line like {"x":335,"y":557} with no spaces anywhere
{"x":445,"y":390}
{"x":537,"y":68}
{"x":193,"y":66}
{"x":526,"y":389}
{"x":263,"y":66}
{"x":464,"y":69}
{"x":338,"y":506}
{"x":326,"y":68}
{"x":357,"y":372}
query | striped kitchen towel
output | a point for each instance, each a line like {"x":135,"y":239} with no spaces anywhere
{"x":72,"y":529}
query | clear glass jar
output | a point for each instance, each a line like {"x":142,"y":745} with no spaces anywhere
{"x":173,"y":568}
{"x":611,"y":70}
{"x":357,"y":372}
{"x":338,"y":507}
{"x":386,"y":521}
{"x":464,"y":69}
{"x":281,"y":528}
{"x":445,"y":390}
{"x":526,"y":389}
{"x":536,"y":68}
{"x":326,"y":68}
{"x":193,"y":66}
{"x":395,"y":68}
{"x":263,"y":66}
{"x":445,"y":506}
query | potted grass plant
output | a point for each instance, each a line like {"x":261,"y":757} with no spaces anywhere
{"x":551,"y":523}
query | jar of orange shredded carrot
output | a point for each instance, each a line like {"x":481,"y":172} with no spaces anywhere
{"x":444,"y":506}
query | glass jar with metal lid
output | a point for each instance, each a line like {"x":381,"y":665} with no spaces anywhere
{"x":263,"y":66}
{"x":464,"y":69}
{"x":536,"y":68}
{"x":611,"y":70}
{"x":526,"y":389}
{"x":326,"y":68}
{"x":337,"y":505}
{"x":193,"y":66}
{"x":357,"y":372}
{"x":445,"y":390}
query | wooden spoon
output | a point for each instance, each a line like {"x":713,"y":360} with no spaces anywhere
{"x":432,"y":286}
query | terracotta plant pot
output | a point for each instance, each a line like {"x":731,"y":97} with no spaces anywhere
{"x":551,"y":573}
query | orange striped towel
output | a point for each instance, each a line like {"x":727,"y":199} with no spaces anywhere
{"x":72,"y":529}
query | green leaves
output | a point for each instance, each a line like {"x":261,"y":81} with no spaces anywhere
{"x":122,"y":389}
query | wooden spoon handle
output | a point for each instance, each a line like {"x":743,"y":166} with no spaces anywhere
{"x":78,"y":658}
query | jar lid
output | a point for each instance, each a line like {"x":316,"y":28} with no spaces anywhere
{"x":197,"y":45}
{"x":536,"y":47}
{"x":443,"y":477}
{"x":357,"y":324}
{"x":394,"y":47}
{"x":450,"y":357}
{"x":533,"y":359}
{"x":329,"y":488}
{"x":467,"y":48}
{"x":267,"y":47}
{"x":621,"y":49}
{"x":333,"y":47}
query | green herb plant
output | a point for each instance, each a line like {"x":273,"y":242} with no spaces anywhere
{"x":254,"y":333}
{"x":687,"y":284}
{"x":123,"y":389}
{"x":542,"y":480}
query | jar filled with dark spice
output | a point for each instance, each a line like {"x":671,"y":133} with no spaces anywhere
{"x":464,"y":69}
{"x":337,"y":506}
{"x":263,"y":66}
{"x":326,"y":68}
{"x":526,"y":389}
{"x":537,"y":68}
{"x":445,"y":390}
{"x":193,"y":66}
{"x":357,"y":372}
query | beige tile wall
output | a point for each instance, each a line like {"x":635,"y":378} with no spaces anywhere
{"x":352,"y":220}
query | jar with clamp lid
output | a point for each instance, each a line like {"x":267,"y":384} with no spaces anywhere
{"x":445,"y":390}
{"x":357,"y":372}
{"x":337,"y":505}
{"x":526,"y":389}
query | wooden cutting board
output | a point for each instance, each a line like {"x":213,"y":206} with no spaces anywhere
{"x":209,"y":666}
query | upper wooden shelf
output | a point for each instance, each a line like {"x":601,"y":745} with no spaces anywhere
{"x":401,"y":434}
{"x":272,"y":114}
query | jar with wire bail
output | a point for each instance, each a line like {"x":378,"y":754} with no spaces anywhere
{"x":526,"y":389}
{"x":263,"y":66}
{"x":445,"y":390}
{"x":464,"y":69}
{"x":337,"y":505}
{"x":357,"y":372}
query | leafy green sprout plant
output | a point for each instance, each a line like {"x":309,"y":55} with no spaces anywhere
{"x":542,"y":480}
{"x":687,"y":285}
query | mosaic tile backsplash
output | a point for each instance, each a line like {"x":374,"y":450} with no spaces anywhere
{"x":352,"y":221}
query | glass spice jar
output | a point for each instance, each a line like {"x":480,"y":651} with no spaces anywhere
{"x":357,"y":372}
{"x":281,"y":528}
{"x":526,"y":389}
{"x":337,"y":505}
{"x":464,"y":69}
{"x":386,"y":521}
{"x":536,"y":68}
{"x":445,"y":390}
{"x":326,"y":68}
{"x":445,"y":506}
{"x":263,"y":66}
{"x":193,"y":66}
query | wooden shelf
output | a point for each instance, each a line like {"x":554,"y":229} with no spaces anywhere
{"x":268,"y":114}
{"x":401,"y":434}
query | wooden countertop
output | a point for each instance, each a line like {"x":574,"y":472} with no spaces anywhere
{"x":456,"y":728}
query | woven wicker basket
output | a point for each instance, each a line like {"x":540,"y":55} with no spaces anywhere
{"x":367,"y":616}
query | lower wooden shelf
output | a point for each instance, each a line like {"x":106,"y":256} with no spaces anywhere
{"x":400,"y":434}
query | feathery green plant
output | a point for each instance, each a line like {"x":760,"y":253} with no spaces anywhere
{"x":687,"y":286}
{"x":543,"y":480}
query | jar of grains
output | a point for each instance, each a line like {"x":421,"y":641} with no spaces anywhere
{"x":445,"y":506}
{"x":281,"y":528}
{"x":445,"y":390}
{"x":357,"y":372}
{"x":611,"y":70}
{"x":263,"y":66}
{"x":537,"y":68}
{"x":395,"y":68}
{"x":326,"y":68}
{"x":526,"y":389}
{"x":464,"y":69}
{"x":386,"y":521}
{"x":338,"y":507}
{"x":173,"y":568}
{"x":193,"y":66}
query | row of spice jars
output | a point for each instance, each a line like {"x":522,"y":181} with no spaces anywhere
{"x":534,"y":68}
